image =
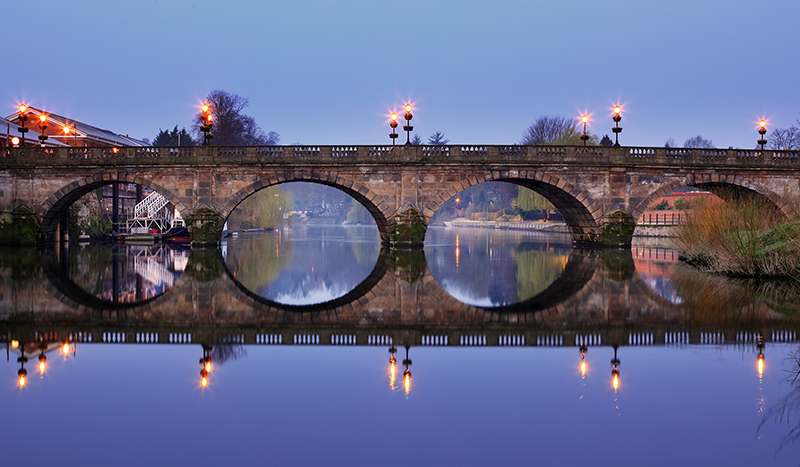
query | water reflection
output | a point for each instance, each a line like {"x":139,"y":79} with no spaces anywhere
{"x":304,"y":265}
{"x":124,"y":273}
{"x":494,"y":268}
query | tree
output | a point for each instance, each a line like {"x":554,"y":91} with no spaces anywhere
{"x":670,"y":143}
{"x":416,"y":140}
{"x":606,"y":141}
{"x":548,"y":130}
{"x":698,"y":142}
{"x":437,"y":139}
{"x":529,"y":200}
{"x":784,"y":139}
{"x":660,"y":206}
{"x":173,"y":138}
{"x":231,"y":126}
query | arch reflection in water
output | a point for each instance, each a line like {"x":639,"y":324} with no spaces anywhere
{"x":303,"y":265}
{"x":124,"y":273}
{"x":488,"y":267}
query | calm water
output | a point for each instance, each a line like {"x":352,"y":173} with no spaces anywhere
{"x":488,"y":324}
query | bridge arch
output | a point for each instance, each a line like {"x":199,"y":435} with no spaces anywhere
{"x":57,"y":204}
{"x":726,"y":188}
{"x":582,"y":215}
{"x":376,"y":206}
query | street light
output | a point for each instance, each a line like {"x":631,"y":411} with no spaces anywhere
{"x":393,"y":124}
{"x":617,"y":129}
{"x":408,"y":128}
{"x":584,"y":136}
{"x":762,"y":130}
{"x":207,"y":119}
{"x":582,"y":366}
{"x":42,"y":127}
{"x":615,"y":372}
{"x":22,"y":119}
{"x":407,"y":373}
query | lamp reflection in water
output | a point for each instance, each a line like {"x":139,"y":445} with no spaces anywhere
{"x":205,"y":363}
{"x":407,"y":373}
{"x":582,"y":366}
{"x":392,"y":367}
{"x":760,"y":362}
{"x":22,"y":374}
{"x":42,"y":358}
{"x":615,"y":372}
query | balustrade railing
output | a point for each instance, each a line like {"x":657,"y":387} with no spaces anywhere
{"x":442,"y":154}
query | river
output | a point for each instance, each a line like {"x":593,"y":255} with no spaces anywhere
{"x":492,"y":347}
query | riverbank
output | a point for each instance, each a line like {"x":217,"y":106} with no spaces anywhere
{"x":665,"y":231}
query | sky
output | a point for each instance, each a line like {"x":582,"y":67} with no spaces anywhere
{"x":329,"y":73}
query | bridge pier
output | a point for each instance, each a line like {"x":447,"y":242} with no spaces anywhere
{"x":406,"y":230}
{"x":205,"y":226}
{"x":18,"y":227}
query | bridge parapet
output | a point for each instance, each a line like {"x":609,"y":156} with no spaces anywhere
{"x":376,"y":155}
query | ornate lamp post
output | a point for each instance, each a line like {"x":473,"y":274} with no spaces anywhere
{"x":408,"y":128}
{"x":207,"y":119}
{"x":407,"y":373}
{"x":615,"y":372}
{"x":393,"y":124}
{"x":22,"y":119}
{"x":760,"y":361}
{"x":584,"y":136}
{"x":582,"y":366}
{"x":392,"y":367}
{"x":617,"y":129}
{"x":42,"y":127}
{"x":205,"y":362}
{"x":762,"y":130}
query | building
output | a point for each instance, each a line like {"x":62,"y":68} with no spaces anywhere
{"x":63,"y":131}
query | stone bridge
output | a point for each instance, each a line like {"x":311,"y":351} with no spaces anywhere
{"x":600,"y":191}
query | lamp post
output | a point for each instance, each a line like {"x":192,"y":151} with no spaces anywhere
{"x":393,"y":124}
{"x":762,"y":130}
{"x":407,"y":373}
{"x":205,"y":362}
{"x":22,"y":374}
{"x":408,"y":128}
{"x":207,"y":119}
{"x":582,"y":366}
{"x":42,"y":127}
{"x":584,"y":136}
{"x":760,"y":361}
{"x":23,"y":117}
{"x":617,"y":129}
{"x":615,"y":372}
{"x":392,"y":367}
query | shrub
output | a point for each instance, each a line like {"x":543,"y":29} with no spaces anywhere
{"x":743,"y":236}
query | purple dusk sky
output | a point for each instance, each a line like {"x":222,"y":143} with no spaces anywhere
{"x":322,"y":72}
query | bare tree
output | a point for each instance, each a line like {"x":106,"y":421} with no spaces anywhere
{"x":548,"y":130}
{"x":670,"y":143}
{"x":698,"y":142}
{"x":416,"y":140}
{"x":231,"y":126}
{"x":784,"y":138}
{"x":437,"y":139}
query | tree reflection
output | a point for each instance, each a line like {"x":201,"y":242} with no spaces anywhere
{"x":787,"y":410}
{"x":716,"y":299}
{"x":257,"y":260}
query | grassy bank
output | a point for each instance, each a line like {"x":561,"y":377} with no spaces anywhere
{"x":742,"y":237}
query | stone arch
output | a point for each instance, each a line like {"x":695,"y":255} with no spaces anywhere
{"x":54,"y":207}
{"x":726,"y":187}
{"x":376,"y":206}
{"x":583,"y":216}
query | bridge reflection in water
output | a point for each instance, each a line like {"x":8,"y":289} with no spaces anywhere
{"x":600,"y":299}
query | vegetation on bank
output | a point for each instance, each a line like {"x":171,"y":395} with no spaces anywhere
{"x":744,"y":236}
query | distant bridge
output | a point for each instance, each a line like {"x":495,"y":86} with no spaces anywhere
{"x":601,"y":191}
